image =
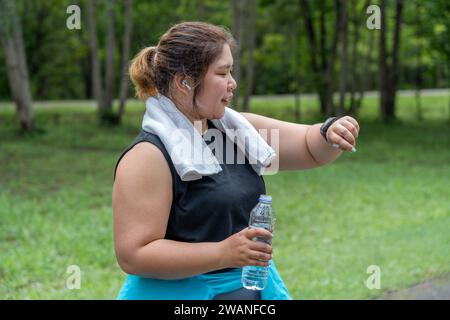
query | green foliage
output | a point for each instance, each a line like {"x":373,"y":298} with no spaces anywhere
{"x":59,"y":62}
{"x":271,"y":65}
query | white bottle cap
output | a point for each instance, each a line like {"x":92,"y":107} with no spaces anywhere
{"x":265,"y":198}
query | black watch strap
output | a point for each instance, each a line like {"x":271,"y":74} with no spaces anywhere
{"x":324,"y":127}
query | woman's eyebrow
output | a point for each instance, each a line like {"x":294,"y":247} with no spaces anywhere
{"x":225,"y":66}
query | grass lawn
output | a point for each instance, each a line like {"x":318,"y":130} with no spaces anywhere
{"x":386,"y":205}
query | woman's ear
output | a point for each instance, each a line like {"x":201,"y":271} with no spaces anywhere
{"x":182,"y":84}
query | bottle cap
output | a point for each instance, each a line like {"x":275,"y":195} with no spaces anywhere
{"x":265,"y":198}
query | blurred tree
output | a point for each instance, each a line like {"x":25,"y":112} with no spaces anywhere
{"x":237,"y":34}
{"x":319,"y":48}
{"x":389,"y":72}
{"x":296,"y":52}
{"x":279,"y":55}
{"x":109,"y":59}
{"x":359,"y":75}
{"x":104,"y":92}
{"x":419,"y":61}
{"x":61,"y":66}
{"x":439,"y":13}
{"x":56,"y":55}
{"x":250,"y":9}
{"x":12,"y":41}
{"x":95,"y":62}
{"x":124,"y":83}
{"x":343,"y":28}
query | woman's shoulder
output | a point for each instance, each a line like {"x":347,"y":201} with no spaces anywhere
{"x":144,"y":157}
{"x":141,"y":171}
{"x":145,"y":154}
{"x":146,"y":151}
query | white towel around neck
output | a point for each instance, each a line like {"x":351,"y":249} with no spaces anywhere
{"x":191,"y":157}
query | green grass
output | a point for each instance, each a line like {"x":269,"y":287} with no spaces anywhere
{"x":387,"y":205}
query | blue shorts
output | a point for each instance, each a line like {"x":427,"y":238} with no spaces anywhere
{"x":200,"y":287}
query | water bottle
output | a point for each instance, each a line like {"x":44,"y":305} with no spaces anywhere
{"x":261,"y":216}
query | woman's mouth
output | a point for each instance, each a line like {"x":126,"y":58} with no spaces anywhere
{"x":227,"y":100}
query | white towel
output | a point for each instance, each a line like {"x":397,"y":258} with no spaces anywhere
{"x":189,"y":153}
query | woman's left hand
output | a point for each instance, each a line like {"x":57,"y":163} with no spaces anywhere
{"x":343,"y":133}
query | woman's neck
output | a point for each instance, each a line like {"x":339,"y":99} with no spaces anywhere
{"x":200,"y":124}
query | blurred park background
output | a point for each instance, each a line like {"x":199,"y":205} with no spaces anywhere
{"x":67,"y":110}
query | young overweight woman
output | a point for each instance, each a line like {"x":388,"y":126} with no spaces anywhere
{"x":190,"y":239}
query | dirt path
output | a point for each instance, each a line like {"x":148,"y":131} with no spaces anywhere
{"x":434,"y":289}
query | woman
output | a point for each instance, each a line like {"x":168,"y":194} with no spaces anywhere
{"x":189,"y":239}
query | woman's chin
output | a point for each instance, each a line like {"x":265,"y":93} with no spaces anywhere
{"x":218,"y":115}
{"x":221,"y":114}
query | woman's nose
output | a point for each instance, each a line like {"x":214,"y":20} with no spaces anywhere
{"x":233,"y":83}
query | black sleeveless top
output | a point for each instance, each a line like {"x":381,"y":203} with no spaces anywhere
{"x":214,"y":207}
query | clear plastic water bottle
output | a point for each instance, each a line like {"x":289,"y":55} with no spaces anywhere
{"x":261,"y":216}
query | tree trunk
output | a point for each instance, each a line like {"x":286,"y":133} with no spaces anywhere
{"x":419,"y":65}
{"x":328,"y":77}
{"x":389,"y":72}
{"x":85,"y":67}
{"x":12,"y":41}
{"x":95,"y":63}
{"x":237,"y":33}
{"x":448,"y":85}
{"x":125,"y":56}
{"x":364,"y":76}
{"x":312,"y":44}
{"x":394,"y":70}
{"x":86,"y":77}
{"x":323,"y":75}
{"x":343,"y":71}
{"x":250,"y":46}
{"x":109,"y":62}
{"x":358,"y":77}
{"x":323,"y":35}
{"x":383,"y":65}
{"x":297,"y":59}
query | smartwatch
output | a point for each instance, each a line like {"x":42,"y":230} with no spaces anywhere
{"x":324,"y":127}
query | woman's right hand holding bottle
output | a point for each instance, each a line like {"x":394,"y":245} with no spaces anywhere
{"x":241,"y":250}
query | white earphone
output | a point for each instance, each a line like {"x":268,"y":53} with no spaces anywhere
{"x":184,"y":82}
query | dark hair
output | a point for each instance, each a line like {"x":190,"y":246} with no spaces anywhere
{"x":187,"y":48}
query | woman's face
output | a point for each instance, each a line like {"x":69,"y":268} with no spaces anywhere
{"x":218,"y":86}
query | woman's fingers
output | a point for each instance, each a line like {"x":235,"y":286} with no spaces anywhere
{"x":258,"y":263}
{"x":260,"y":256}
{"x":256,"y":258}
{"x":258,"y":232}
{"x":350,"y":126}
{"x":343,"y":132}
{"x":352,"y":121}
{"x":261,"y":247}
{"x":258,"y":252}
{"x":340,"y":141}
